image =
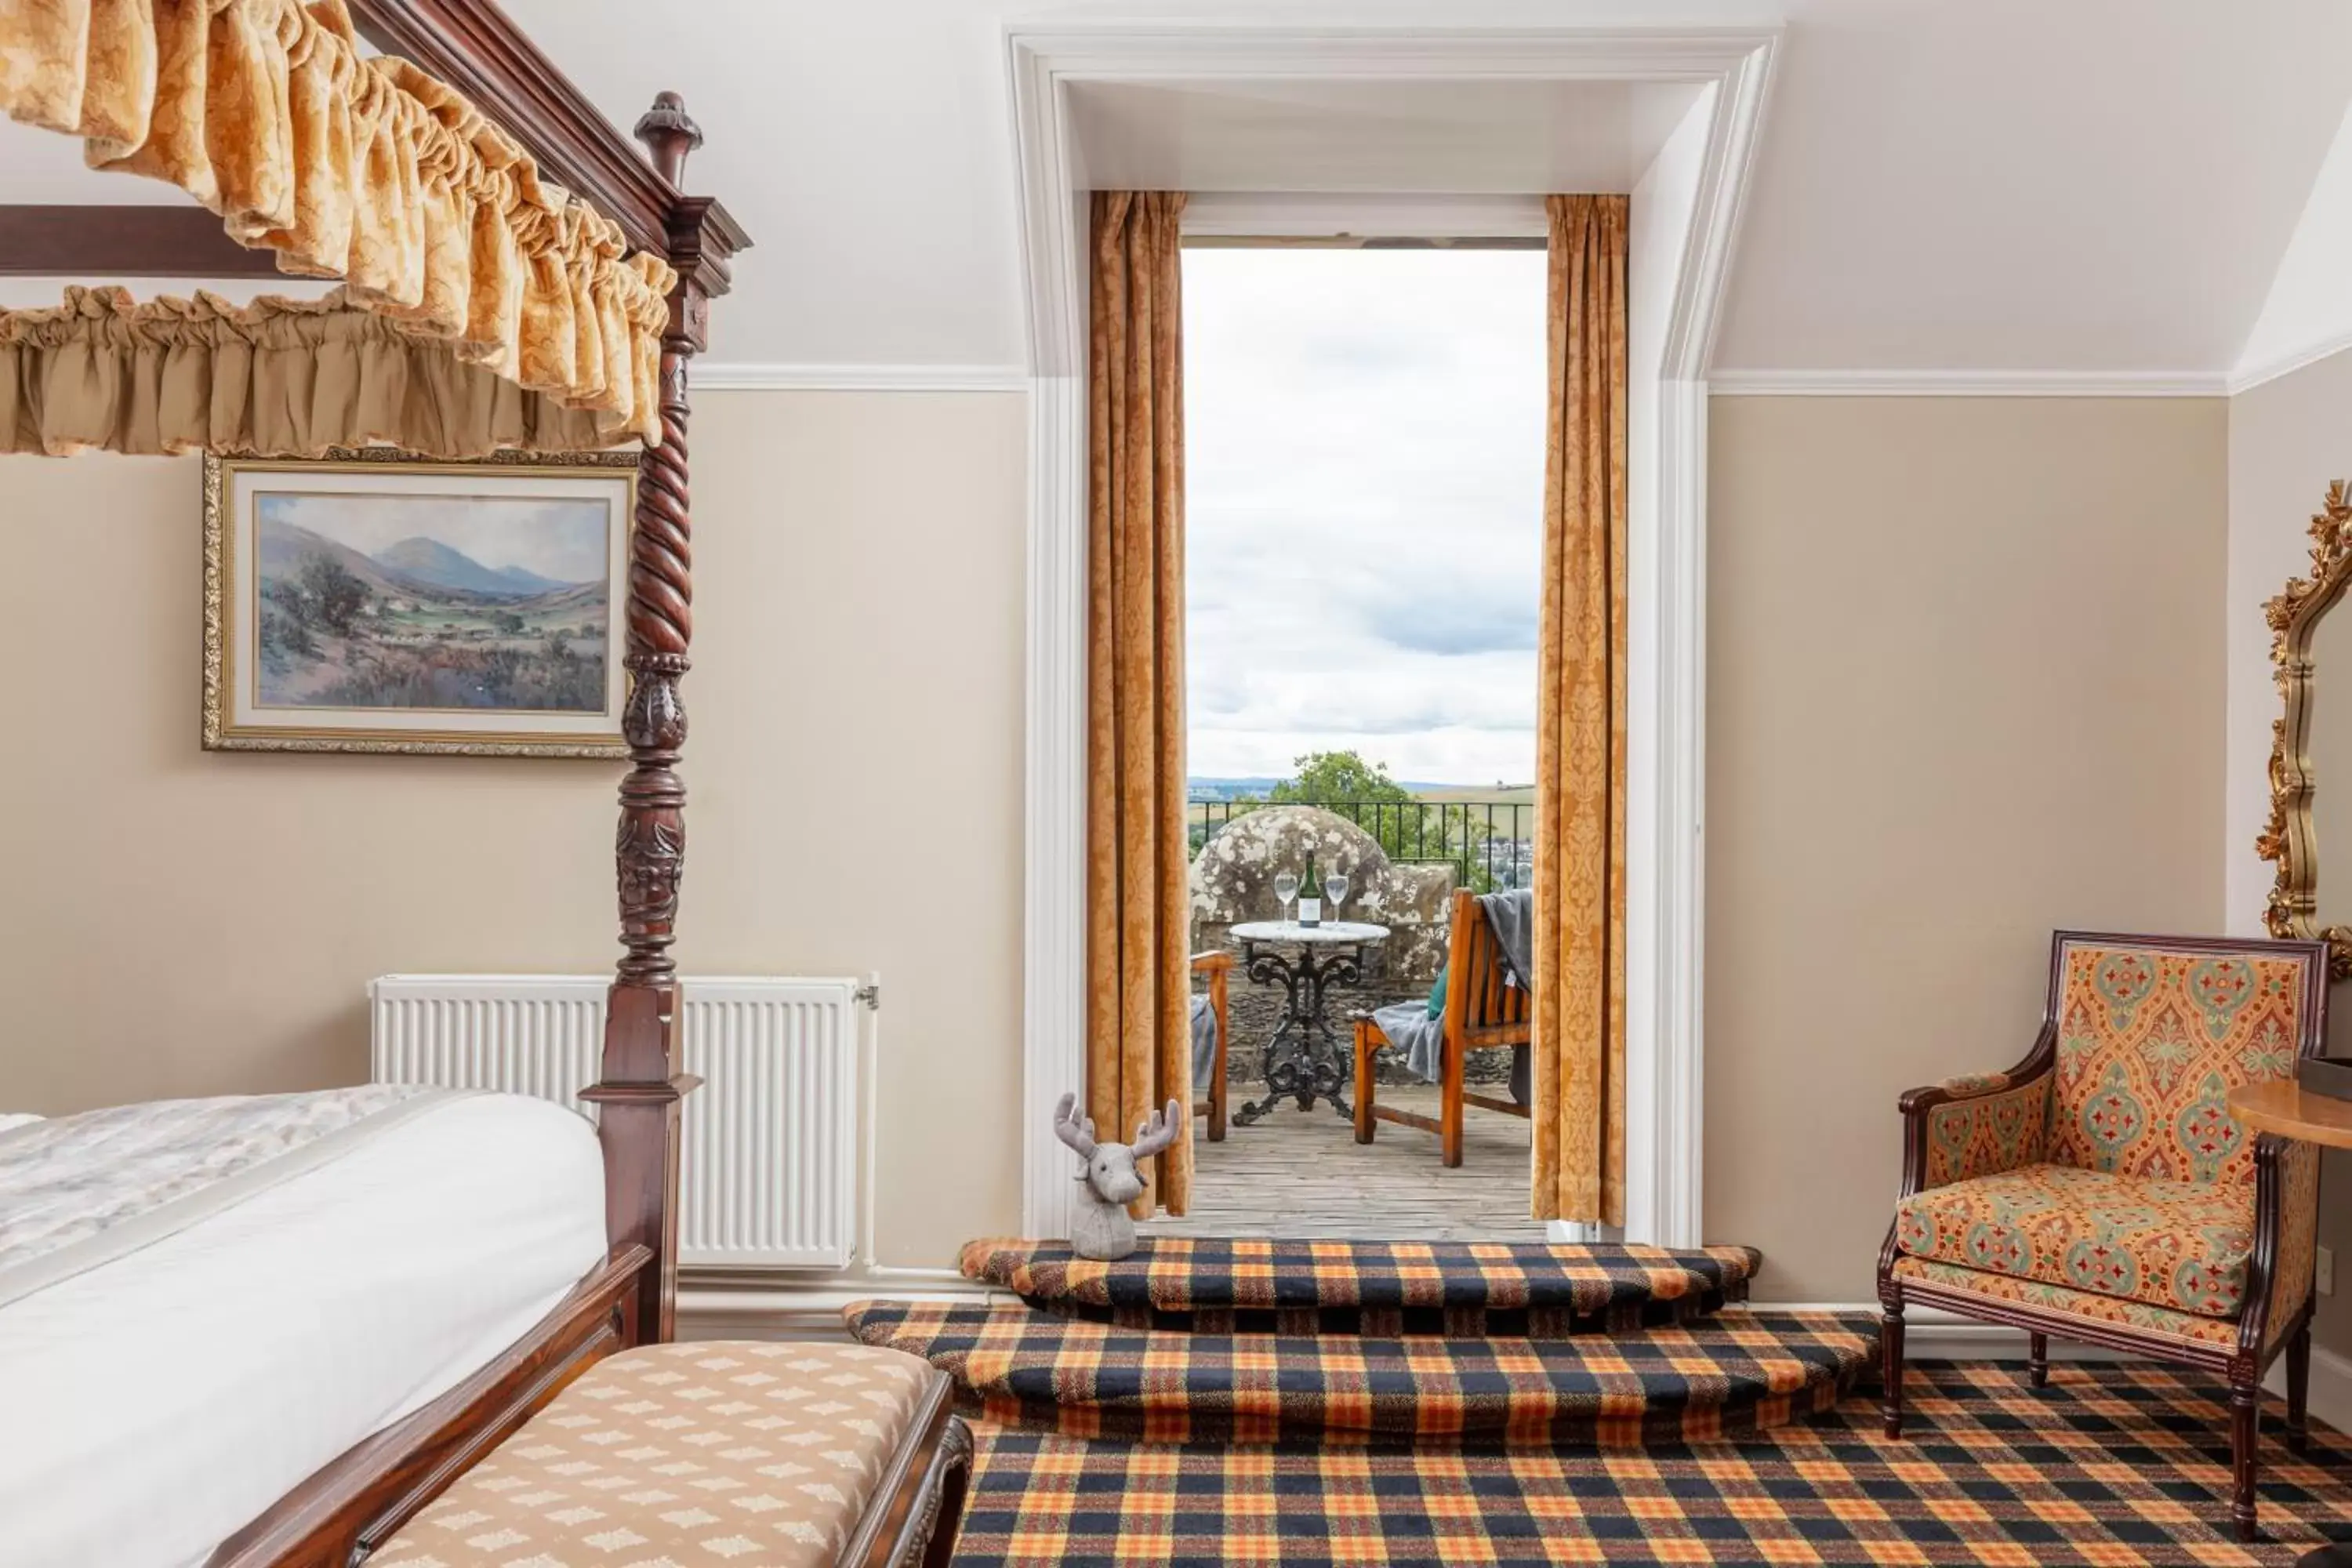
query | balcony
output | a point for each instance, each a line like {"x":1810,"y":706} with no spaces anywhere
{"x":1300,"y":1173}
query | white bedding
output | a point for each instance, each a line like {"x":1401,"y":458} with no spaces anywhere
{"x":153,"y":1405}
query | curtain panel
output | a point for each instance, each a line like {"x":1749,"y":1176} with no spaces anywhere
{"x":280,"y":378}
{"x":365,"y":169}
{"x":1139,"y":904}
{"x":1579,"y":1108}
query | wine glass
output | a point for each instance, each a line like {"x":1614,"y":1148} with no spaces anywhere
{"x":1335,"y":892}
{"x":1285,"y":887}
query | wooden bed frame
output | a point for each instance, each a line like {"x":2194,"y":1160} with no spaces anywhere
{"x":339,"y":1515}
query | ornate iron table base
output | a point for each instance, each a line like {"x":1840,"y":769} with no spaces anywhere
{"x":1304,"y":1060}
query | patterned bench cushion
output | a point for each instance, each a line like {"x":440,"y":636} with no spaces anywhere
{"x":2182,"y":1246}
{"x":719,"y":1453}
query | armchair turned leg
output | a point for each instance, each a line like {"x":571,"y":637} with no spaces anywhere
{"x":2298,"y":1388}
{"x":2037,"y":1360}
{"x":1365,"y":1047}
{"x":2244,"y":1435}
{"x":1890,"y":1347}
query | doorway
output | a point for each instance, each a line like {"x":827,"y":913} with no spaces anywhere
{"x":1364,"y":451}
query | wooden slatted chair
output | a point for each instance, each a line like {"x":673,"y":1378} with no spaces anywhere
{"x":1482,"y":1011}
{"x":1219,"y":967}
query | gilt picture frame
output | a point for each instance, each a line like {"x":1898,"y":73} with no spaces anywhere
{"x":371,"y":601}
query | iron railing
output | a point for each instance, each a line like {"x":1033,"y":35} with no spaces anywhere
{"x":1486,"y":841}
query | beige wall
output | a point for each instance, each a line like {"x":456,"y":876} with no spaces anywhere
{"x":2287,"y":438}
{"x":1966,"y":670}
{"x":191,"y":923}
{"x":1965,"y":674}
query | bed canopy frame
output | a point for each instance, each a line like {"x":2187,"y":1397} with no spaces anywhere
{"x":343,"y":1511}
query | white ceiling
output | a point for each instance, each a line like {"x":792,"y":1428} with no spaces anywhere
{"x":2069,"y":185}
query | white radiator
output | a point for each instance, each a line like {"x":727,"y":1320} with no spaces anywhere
{"x":769,"y":1164}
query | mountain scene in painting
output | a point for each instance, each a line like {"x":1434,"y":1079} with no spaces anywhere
{"x":431,"y":603}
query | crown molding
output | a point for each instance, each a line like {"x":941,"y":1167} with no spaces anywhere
{"x":1967,"y":384}
{"x":724,"y":375}
{"x":2245,"y":378}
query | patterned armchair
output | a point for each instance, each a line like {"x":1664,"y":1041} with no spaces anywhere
{"x":2101,"y":1191}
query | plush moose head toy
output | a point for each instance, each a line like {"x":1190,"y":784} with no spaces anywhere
{"x":1102,"y":1229}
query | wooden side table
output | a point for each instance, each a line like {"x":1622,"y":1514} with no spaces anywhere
{"x":2285,"y":1108}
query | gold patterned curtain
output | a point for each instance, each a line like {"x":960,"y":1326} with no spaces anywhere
{"x":1578,"y":1048}
{"x":361,"y":169}
{"x":1139,"y":907}
{"x":276,"y":378}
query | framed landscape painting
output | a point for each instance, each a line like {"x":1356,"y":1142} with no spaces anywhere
{"x":372,"y":601}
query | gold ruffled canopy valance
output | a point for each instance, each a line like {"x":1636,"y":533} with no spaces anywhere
{"x":365,"y":169}
{"x":276,"y":378}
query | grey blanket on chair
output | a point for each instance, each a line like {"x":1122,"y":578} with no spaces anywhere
{"x":1511,"y":917}
{"x":1204,"y":1044}
{"x":1412,"y":1030}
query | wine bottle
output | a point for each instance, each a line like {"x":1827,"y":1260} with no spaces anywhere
{"x":1310,"y":896}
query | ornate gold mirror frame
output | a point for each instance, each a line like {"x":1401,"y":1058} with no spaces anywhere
{"x":2287,"y":838}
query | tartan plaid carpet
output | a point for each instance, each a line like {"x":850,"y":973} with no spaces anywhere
{"x":1726,"y":1377}
{"x":2111,"y":1465}
{"x":1462,"y":1289}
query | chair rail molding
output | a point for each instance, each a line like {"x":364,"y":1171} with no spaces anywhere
{"x":1731,"y":69}
{"x":1969,"y":384}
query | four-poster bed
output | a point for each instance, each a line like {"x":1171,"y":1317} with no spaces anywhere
{"x":642,"y":233}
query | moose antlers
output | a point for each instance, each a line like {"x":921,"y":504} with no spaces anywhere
{"x":1158,"y":1131}
{"x":1078,"y":1132}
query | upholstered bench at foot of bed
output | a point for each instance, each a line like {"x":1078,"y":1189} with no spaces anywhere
{"x":725,"y":1453}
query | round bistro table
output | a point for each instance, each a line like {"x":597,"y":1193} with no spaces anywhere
{"x":1304,"y":1060}
{"x":2285,"y":1108}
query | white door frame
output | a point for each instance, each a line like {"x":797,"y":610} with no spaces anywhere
{"x":1666,"y":676}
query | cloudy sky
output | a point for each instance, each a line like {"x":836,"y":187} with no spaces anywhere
{"x":561,"y":537}
{"x":1364,"y":484}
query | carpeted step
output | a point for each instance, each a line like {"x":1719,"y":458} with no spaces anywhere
{"x":1460,"y":1290}
{"x":1729,"y":1377}
{"x":2112,"y":1464}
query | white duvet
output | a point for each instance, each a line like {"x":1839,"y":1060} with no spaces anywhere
{"x":156,"y":1402}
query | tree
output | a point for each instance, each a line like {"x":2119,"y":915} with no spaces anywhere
{"x":334,"y":591}
{"x":1336,"y":776}
{"x":1363,"y":792}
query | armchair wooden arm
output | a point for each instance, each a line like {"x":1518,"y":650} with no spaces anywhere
{"x":2280,"y":1277}
{"x":1218,"y":965}
{"x":1923,"y":1109}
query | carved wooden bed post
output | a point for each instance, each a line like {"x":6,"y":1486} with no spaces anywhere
{"x":639,"y":1093}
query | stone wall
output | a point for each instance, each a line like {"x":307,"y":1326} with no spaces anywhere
{"x":1233,"y":883}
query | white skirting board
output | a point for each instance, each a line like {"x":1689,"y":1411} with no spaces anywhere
{"x":2331,"y":1386}
{"x":1930,"y":1334}
{"x":805,"y":1309}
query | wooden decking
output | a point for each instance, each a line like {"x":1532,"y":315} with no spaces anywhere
{"x":1302,"y":1174}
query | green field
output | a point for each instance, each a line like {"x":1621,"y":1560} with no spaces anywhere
{"x":1518,"y":794}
